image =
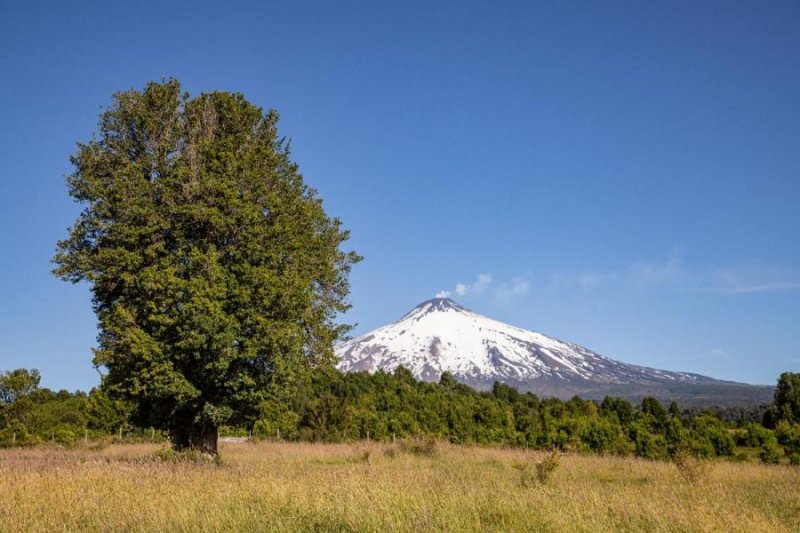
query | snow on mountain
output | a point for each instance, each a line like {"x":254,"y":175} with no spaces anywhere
{"x":440,"y":335}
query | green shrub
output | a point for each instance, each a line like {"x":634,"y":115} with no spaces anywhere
{"x":540,"y":472}
{"x":65,"y":436}
{"x":16,"y":434}
{"x":276,"y":421}
{"x":771,"y":453}
{"x":649,"y":445}
{"x":755,"y":436}
{"x":600,"y":435}
{"x":711,"y":435}
{"x":546,"y":467}
{"x":741,"y":457}
{"x":788,"y":435}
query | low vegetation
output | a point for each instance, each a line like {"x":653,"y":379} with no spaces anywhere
{"x":531,"y":471}
{"x":413,"y":415}
{"x":280,"y":486}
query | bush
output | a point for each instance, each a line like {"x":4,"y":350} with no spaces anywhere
{"x":712,"y":436}
{"x":649,"y":445}
{"x":788,"y":435}
{"x":741,"y":457}
{"x":276,"y":421}
{"x":755,"y":436}
{"x":539,"y":471}
{"x":16,"y":434}
{"x":771,"y":453}
{"x":602,"y":436}
{"x":65,"y":436}
{"x":546,"y":467}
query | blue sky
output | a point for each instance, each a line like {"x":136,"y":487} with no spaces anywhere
{"x":618,"y":174}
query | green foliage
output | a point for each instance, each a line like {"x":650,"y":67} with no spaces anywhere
{"x":213,"y":267}
{"x":788,"y":434}
{"x":619,"y":407}
{"x":603,"y":436}
{"x":65,"y":435}
{"x":738,"y":416}
{"x":771,"y":452}
{"x":327,"y":405}
{"x":16,"y":388}
{"x":105,"y":414}
{"x":712,"y":437}
{"x":388,"y":406}
{"x":648,"y":444}
{"x":786,"y":406}
{"x":19,"y":383}
{"x":29,"y":414}
{"x":754,"y":436}
{"x":16,"y":434}
{"x":757,"y":436}
{"x":652,"y":407}
{"x":277,"y":421}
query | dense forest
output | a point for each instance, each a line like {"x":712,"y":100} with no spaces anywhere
{"x":335,"y":406}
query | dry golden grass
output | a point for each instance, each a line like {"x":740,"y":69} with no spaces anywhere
{"x":361,"y":487}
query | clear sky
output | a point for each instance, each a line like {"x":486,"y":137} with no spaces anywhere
{"x":622,"y":175}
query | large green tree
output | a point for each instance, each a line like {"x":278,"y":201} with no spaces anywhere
{"x":214,"y":268}
{"x":786,"y":406}
{"x":16,"y":388}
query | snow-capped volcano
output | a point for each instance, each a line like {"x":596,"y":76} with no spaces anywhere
{"x":440,"y":335}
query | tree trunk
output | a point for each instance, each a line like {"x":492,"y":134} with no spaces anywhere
{"x":202,"y":438}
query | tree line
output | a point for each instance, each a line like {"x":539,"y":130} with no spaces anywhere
{"x":332,"y":406}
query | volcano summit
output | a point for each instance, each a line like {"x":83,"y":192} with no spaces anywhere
{"x":440,"y":335}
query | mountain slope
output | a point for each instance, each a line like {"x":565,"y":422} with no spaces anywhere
{"x":440,"y":335}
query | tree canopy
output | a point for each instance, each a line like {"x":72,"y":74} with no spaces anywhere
{"x":16,"y":384}
{"x":786,"y":407}
{"x":214,"y":268}
{"x":16,"y":387}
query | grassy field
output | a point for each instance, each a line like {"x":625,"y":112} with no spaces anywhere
{"x":374,"y":487}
